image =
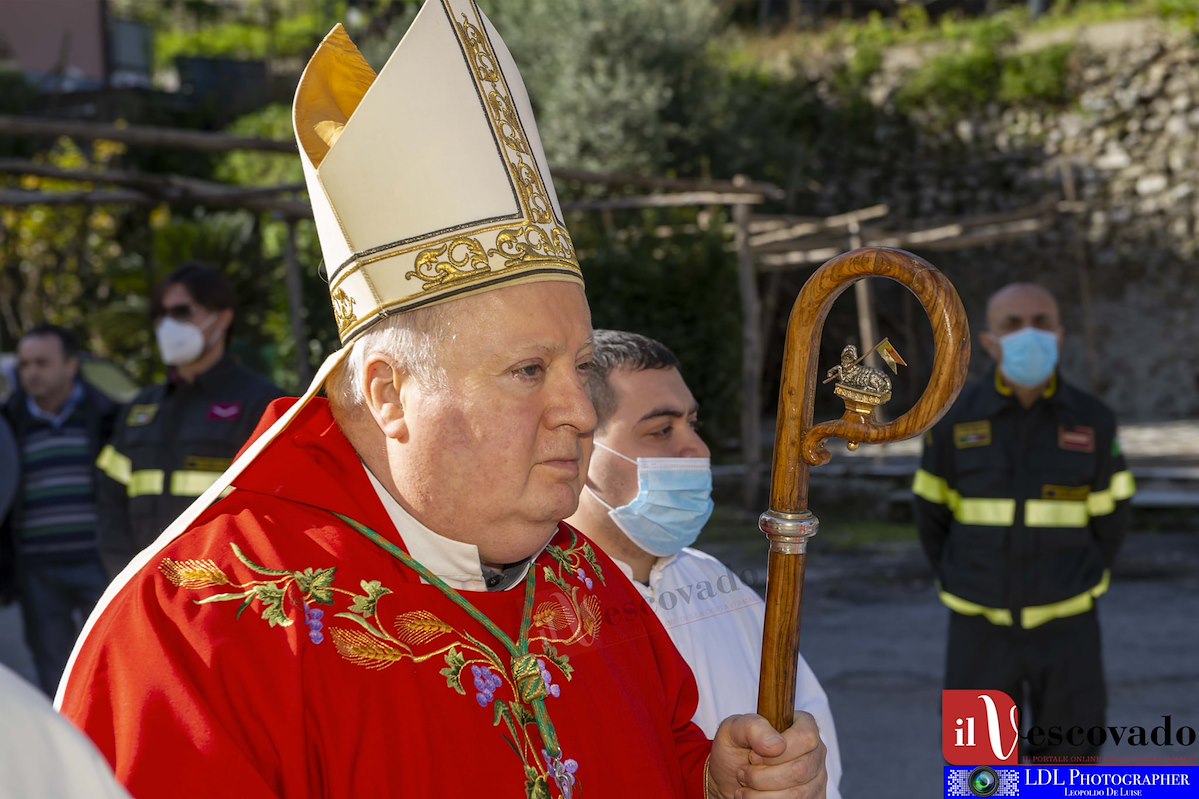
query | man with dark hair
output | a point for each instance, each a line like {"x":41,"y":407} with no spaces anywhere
{"x":646,"y":497}
{"x":177,"y":437}
{"x":59,"y":423}
{"x":1021,"y":505}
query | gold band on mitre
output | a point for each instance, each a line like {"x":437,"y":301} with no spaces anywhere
{"x":429,"y":180}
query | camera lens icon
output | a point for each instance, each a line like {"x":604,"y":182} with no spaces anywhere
{"x":983,"y":781}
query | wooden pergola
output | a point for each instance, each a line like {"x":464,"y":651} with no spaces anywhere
{"x":766,"y":246}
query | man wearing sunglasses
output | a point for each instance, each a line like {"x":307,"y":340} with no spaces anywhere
{"x":177,"y":437}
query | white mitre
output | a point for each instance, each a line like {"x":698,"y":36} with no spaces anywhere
{"x":429,"y":180}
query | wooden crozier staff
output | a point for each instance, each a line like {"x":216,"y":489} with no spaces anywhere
{"x":800,"y":445}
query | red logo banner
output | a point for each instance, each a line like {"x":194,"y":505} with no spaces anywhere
{"x":979,"y":728}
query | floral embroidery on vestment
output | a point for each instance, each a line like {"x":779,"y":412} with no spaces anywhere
{"x":509,"y":686}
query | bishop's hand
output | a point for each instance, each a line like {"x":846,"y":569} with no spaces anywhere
{"x":751,"y":760}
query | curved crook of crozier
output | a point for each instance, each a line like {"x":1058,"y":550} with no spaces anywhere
{"x":800,"y":444}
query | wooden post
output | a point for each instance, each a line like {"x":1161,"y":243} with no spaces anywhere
{"x":863,"y":294}
{"x":295,"y":299}
{"x":751,"y":355}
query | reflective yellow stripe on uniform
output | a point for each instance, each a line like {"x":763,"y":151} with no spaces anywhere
{"x":997,"y":616}
{"x":114,"y":464}
{"x":191,"y":483}
{"x":1123,"y":486}
{"x":928,"y":486}
{"x":992,"y":512}
{"x":145,"y":482}
{"x":1040,"y":614}
{"x":1034,"y":616}
{"x":983,"y":512}
{"x":1100,"y":503}
{"x":972,"y":510}
{"x":1057,"y":513}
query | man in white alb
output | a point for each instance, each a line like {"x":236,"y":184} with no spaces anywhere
{"x":646,"y":498}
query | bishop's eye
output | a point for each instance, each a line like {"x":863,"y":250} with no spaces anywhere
{"x":531,"y":371}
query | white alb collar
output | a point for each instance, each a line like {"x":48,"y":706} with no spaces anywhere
{"x":455,"y":562}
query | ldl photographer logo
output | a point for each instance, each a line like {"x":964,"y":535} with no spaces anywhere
{"x":983,"y":781}
{"x":979,"y":728}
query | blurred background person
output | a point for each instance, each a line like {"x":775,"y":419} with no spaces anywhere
{"x":10,"y":474}
{"x":175,"y":438}
{"x":59,"y":423}
{"x":1022,"y":502}
{"x":647,"y":495}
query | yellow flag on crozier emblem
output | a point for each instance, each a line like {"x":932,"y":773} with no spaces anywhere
{"x":891,"y":355}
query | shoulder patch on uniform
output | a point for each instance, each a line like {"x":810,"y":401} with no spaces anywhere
{"x":1116,"y":450}
{"x":141,"y":415}
{"x":1076,"y":439}
{"x":972,"y":434}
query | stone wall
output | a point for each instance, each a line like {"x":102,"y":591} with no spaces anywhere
{"x":1131,"y":144}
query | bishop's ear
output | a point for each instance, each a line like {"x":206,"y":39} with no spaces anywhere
{"x":384,"y":382}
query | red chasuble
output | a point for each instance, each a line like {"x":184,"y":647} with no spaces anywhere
{"x":273,"y":650}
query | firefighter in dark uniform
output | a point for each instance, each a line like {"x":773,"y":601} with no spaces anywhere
{"x":176,"y":438}
{"x":1021,"y":505}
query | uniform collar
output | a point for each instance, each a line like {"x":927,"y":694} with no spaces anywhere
{"x":455,"y":562}
{"x":999,"y":395}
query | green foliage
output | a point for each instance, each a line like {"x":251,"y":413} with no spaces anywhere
{"x":15,"y":92}
{"x":1182,"y":12}
{"x":952,"y":83}
{"x":635,"y":70}
{"x":245,"y":168}
{"x":914,"y":17}
{"x":982,"y":71}
{"x":1042,"y":76}
{"x":70,"y":265}
{"x":289,"y":36}
{"x":680,"y":290}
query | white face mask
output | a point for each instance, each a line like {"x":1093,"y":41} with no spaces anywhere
{"x":673,"y":503}
{"x":179,"y":343}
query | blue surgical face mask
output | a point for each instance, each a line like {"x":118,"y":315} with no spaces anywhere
{"x":673,"y":503}
{"x":1029,"y":356}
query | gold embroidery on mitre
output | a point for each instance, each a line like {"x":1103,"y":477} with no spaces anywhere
{"x":505,"y":122}
{"x":343,"y":310}
{"x":464,"y":258}
{"x":528,"y":182}
{"x":482,"y":59}
{"x":531,"y":244}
